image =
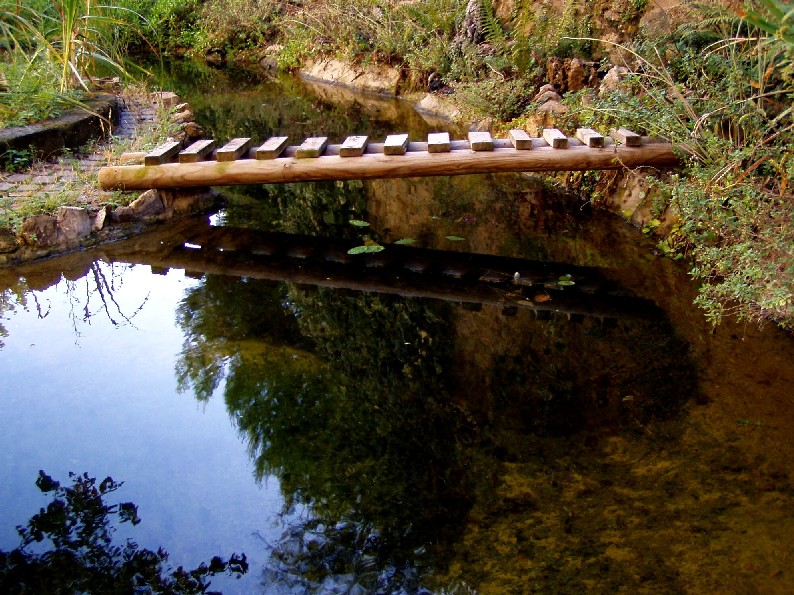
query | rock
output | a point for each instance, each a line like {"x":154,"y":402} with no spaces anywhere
{"x":552,"y":107}
{"x":193,"y":130}
{"x":613,"y":79}
{"x":98,"y":222}
{"x":123,"y":215}
{"x":432,"y":105}
{"x":167,"y":98}
{"x":547,"y":96}
{"x":148,"y":206}
{"x":184,"y":117}
{"x":577,"y":76}
{"x":571,"y":74}
{"x":40,"y":230}
{"x":8,"y":241}
{"x":179,"y":137}
{"x":73,"y":222}
{"x":380,"y":79}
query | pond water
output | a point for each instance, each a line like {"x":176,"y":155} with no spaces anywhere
{"x":394,"y":425}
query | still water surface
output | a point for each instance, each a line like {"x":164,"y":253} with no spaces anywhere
{"x":369,"y":441}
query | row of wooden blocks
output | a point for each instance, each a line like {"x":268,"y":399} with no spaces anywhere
{"x":354,"y":146}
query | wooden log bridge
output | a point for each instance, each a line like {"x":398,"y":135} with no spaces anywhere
{"x":241,"y":162}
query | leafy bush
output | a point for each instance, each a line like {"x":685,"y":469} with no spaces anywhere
{"x":728,"y":106}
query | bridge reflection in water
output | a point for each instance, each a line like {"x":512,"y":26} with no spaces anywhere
{"x":467,"y":278}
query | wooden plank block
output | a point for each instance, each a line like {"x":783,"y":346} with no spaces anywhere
{"x":395,"y":144}
{"x":481,"y":141}
{"x":353,"y":146}
{"x":555,"y":138}
{"x":520,"y":139}
{"x":312,"y":147}
{"x":626,"y":137}
{"x":162,"y":154}
{"x":438,"y":142}
{"x":590,"y":137}
{"x":198,"y":151}
{"x":272,"y":148}
{"x":233,"y":150}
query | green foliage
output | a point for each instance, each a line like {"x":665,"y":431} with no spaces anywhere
{"x":498,"y":98}
{"x":728,"y":108}
{"x":15,"y":160}
{"x":81,"y":557}
{"x":54,"y":50}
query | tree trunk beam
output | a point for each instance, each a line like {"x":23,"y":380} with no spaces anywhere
{"x":376,"y":163}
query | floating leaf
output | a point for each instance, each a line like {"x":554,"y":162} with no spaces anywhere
{"x":358,"y":223}
{"x":405,"y":241}
{"x":455,"y":238}
{"x":565,"y":281}
{"x":365,"y":249}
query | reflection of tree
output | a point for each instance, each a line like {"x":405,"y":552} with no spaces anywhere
{"x":90,"y":292}
{"x":316,"y":208}
{"x":344,"y":402}
{"x":81,"y":556}
{"x":99,"y":288}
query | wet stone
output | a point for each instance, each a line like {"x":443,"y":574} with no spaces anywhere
{"x":8,"y":241}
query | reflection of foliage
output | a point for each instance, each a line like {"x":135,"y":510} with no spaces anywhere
{"x":82,"y":557}
{"x":308,"y":558}
{"x":318,"y":208}
{"x":362,"y":431}
{"x":221,"y":316}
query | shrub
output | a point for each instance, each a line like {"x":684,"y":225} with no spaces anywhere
{"x":728,"y":107}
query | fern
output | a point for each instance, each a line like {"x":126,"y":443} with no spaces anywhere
{"x":490,"y":26}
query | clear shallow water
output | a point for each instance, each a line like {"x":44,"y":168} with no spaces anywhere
{"x":438,"y":443}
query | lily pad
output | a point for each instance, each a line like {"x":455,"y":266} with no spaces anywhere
{"x":405,"y":241}
{"x":359,"y":223}
{"x":565,"y":281}
{"x":365,"y":249}
{"x":455,"y":238}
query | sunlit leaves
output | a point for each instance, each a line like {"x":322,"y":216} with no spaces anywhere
{"x":365,"y":249}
